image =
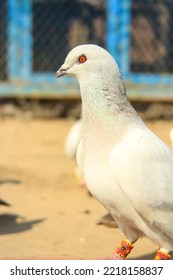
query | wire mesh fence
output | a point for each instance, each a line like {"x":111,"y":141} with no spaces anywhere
{"x":3,"y":40}
{"x":151,"y":36}
{"x":60,"y":25}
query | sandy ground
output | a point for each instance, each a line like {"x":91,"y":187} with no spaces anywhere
{"x":50,"y":214}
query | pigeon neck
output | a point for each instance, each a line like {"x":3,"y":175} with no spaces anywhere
{"x":106,"y":101}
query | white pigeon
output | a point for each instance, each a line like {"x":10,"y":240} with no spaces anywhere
{"x":73,"y":138}
{"x":125,"y":166}
{"x":171,"y":137}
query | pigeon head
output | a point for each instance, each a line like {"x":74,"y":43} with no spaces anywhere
{"x":84,"y":60}
{"x":99,"y":79}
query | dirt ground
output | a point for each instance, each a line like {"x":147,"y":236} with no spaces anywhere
{"x":50,"y":213}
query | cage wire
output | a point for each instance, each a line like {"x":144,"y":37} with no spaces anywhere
{"x":60,"y":25}
{"x":152,"y":36}
{"x":3,"y":40}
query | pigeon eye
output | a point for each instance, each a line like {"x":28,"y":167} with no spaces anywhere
{"x":82,"y":58}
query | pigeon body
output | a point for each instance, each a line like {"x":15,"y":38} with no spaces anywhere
{"x":125,"y":166}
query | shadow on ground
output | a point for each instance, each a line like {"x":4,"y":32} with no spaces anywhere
{"x":14,"y":223}
{"x":10,"y":181}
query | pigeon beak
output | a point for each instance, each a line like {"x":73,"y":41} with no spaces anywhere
{"x":62,"y":71}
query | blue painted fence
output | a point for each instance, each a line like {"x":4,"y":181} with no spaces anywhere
{"x":22,"y":81}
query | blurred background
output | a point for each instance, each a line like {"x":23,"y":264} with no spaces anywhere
{"x":36,"y":35}
{"x":50,"y":213}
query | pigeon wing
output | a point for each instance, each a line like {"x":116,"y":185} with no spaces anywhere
{"x":143,"y":166}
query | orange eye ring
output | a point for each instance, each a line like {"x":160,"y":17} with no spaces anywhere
{"x":82,"y":58}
